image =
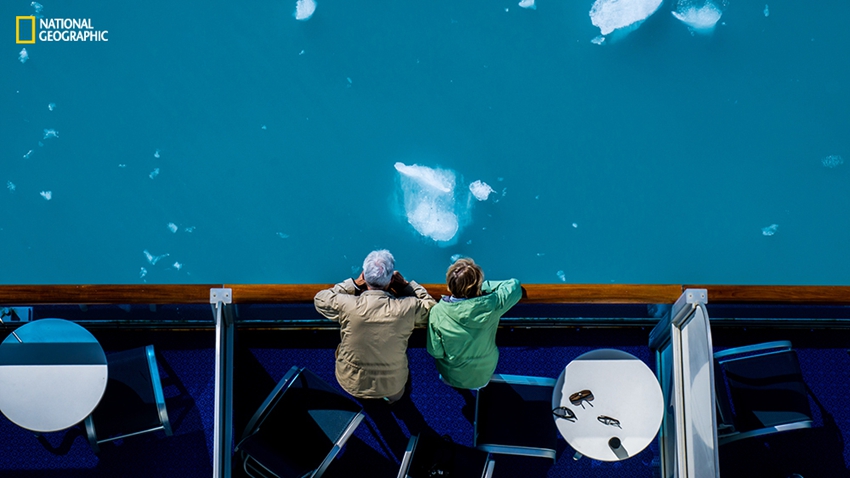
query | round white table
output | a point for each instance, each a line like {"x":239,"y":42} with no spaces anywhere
{"x":623,"y":388}
{"x":54,"y":378}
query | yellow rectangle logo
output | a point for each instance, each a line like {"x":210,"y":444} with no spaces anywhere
{"x":18,"y":21}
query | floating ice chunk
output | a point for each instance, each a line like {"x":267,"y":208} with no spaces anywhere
{"x":469,"y":242}
{"x":429,"y":201}
{"x":304,"y":9}
{"x":575,"y":225}
{"x":561,"y":275}
{"x":48,"y":195}
{"x":177,"y":265}
{"x":122,"y":165}
{"x":263,"y":127}
{"x":154,"y":173}
{"x":23,"y":56}
{"x":301,"y":53}
{"x":625,"y":15}
{"x":699,"y":20}
{"x":481,"y":190}
{"x":143,"y":273}
{"x":156,"y":154}
{"x":504,"y":191}
{"x":51,"y":106}
{"x":152,"y":258}
{"x":455,"y":257}
{"x":37,"y":7}
{"x":190,"y":229}
{"x":27,"y":156}
{"x":770,"y":230}
{"x":832,"y":161}
{"x":528,"y":4}
{"x":598,"y":40}
{"x":766,"y":11}
{"x":282,"y":235}
{"x":172,"y":227}
{"x":51,"y":133}
{"x":541,"y":254}
{"x":10,"y":186}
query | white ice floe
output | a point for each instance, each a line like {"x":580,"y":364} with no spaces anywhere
{"x":172,"y":227}
{"x":122,"y":165}
{"x":575,"y":225}
{"x":480,"y":190}
{"x":48,"y":195}
{"x":143,"y":273}
{"x":23,"y":56}
{"x":154,"y":173}
{"x":304,"y":9}
{"x":455,"y":257}
{"x":598,"y":40}
{"x":766,"y":11}
{"x":152,"y":258}
{"x":770,"y":230}
{"x":10,"y":186}
{"x":190,"y":229}
{"x":51,"y":133}
{"x":429,"y":201}
{"x":832,"y":161}
{"x":282,"y":235}
{"x":699,"y":18}
{"x":622,"y":15}
{"x":263,"y":127}
{"x":561,"y":275}
{"x":37,"y":7}
{"x":528,"y":4}
{"x":51,"y":106}
{"x":156,"y":154}
{"x":177,"y":265}
{"x":27,"y":156}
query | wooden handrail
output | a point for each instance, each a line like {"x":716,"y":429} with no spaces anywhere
{"x":533,"y":294}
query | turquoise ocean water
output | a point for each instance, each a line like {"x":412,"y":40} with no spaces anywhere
{"x":657,"y":158}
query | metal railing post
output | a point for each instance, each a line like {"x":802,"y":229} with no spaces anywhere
{"x":220,"y":300}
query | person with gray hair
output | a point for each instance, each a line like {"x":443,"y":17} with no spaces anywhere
{"x":376,"y":313}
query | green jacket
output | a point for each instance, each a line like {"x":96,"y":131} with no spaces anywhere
{"x":462,"y":335}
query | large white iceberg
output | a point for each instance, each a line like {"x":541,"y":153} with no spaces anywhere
{"x":304,"y":9}
{"x":623,"y":15}
{"x":429,"y":200}
{"x":699,"y":19}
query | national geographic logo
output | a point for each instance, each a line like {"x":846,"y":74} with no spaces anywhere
{"x":57,"y":30}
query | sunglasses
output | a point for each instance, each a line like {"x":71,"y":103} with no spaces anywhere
{"x":565,"y":413}
{"x":579,"y":398}
{"x":606,"y":420}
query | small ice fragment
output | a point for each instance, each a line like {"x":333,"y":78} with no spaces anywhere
{"x":37,"y":7}
{"x":154,"y":173}
{"x":40,"y":144}
{"x":766,"y":11}
{"x":561,"y":275}
{"x":304,"y":9}
{"x":575,"y":225}
{"x":152,"y":258}
{"x":699,"y":20}
{"x":172,"y":227}
{"x":177,"y":265}
{"x":832,"y":161}
{"x":51,"y":133}
{"x":301,"y":53}
{"x":500,"y":179}
{"x":541,"y":254}
{"x":506,"y":9}
{"x":528,"y":4}
{"x":190,"y":229}
{"x":537,"y":197}
{"x":51,"y":106}
{"x":27,"y":156}
{"x":48,"y":195}
{"x":504,"y":191}
{"x":10,"y":186}
{"x":156,"y":154}
{"x":264,"y":127}
{"x":349,"y":80}
{"x":122,"y":165}
{"x":143,"y":273}
{"x":770,"y":230}
{"x":23,"y":56}
{"x":480,"y":190}
{"x":598,"y":40}
{"x":455,"y":257}
{"x":282,"y":235}
{"x":469,"y":242}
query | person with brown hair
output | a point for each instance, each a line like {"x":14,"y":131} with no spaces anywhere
{"x":462,"y":327}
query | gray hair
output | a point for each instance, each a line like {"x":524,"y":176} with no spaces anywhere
{"x":378,"y":268}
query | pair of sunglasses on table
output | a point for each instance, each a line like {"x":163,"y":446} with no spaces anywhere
{"x":577,"y":399}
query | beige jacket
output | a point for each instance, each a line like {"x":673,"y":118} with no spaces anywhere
{"x":371,"y":359}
